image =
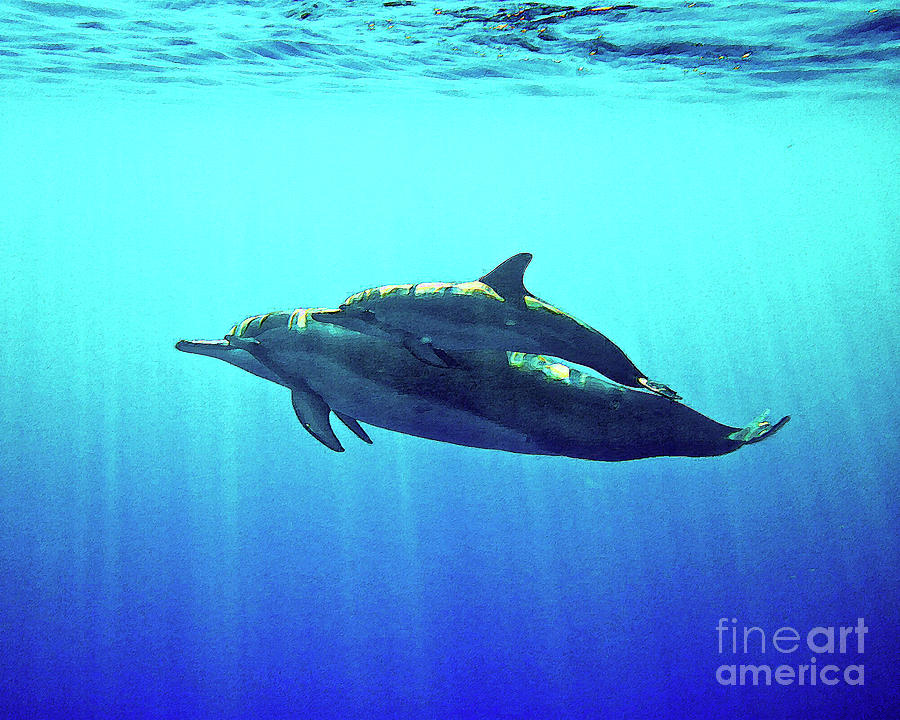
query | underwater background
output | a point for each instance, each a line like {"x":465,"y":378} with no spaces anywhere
{"x":712,"y":185}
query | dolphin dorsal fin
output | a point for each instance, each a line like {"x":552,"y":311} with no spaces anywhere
{"x":508,"y":278}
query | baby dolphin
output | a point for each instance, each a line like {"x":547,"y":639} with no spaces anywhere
{"x":495,"y":312}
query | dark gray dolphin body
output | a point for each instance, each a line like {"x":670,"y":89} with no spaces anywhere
{"x":495,"y":312}
{"x":502,"y":400}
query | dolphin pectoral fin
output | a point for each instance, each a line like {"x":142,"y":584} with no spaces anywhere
{"x":508,"y":278}
{"x":354,"y":426}
{"x":312,"y":412}
{"x":427,"y":353}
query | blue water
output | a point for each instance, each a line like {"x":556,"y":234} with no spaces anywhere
{"x":173,"y":545}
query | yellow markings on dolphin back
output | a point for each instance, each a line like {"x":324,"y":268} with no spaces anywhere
{"x":532,"y":303}
{"x":386,"y":290}
{"x":245,"y":323}
{"x":297,"y":317}
{"x":557,"y":371}
{"x":432,"y":288}
{"x":301,"y":316}
{"x":476,"y":287}
{"x":552,"y":369}
{"x":516,"y":359}
{"x":251,"y":325}
{"x":361,"y":296}
{"x":381,"y":291}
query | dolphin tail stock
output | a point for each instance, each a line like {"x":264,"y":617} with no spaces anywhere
{"x":758,"y":430}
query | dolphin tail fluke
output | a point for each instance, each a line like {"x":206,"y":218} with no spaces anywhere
{"x":759,"y":429}
{"x":312,"y":412}
{"x":354,"y":426}
{"x":659,"y":388}
{"x":770,"y":430}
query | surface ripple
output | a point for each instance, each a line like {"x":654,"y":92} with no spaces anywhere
{"x":701,"y":48}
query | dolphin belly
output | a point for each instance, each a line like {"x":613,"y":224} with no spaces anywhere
{"x":380,"y":384}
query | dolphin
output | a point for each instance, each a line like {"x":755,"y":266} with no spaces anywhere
{"x":495,"y":312}
{"x":503,"y":400}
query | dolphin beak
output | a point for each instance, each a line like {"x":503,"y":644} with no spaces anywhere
{"x":223,"y":350}
{"x":211,"y":348}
